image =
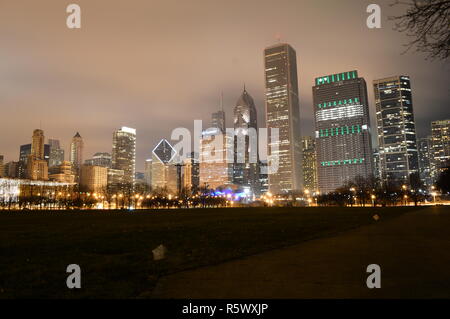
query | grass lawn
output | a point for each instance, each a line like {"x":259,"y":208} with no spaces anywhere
{"x":113,"y":249}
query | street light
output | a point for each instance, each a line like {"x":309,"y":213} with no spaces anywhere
{"x":434,"y":197}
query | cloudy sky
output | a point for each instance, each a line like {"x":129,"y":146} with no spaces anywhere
{"x":157,"y":65}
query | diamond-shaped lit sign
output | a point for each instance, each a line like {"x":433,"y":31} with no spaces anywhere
{"x":164,"y":151}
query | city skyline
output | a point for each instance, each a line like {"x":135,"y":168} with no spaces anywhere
{"x":96,"y":100}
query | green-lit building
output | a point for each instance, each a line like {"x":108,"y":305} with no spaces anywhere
{"x":343,"y":137}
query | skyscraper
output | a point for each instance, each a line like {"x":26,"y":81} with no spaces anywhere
{"x":148,"y":172}
{"x":164,"y":172}
{"x":218,"y":118}
{"x":56,"y":153}
{"x":37,"y":144}
{"x":216,"y":167}
{"x":440,"y":146}
{"x":124,"y":153}
{"x":100,"y":159}
{"x":376,"y":165}
{"x":309,"y":163}
{"x":37,"y":166}
{"x":62,"y":173}
{"x":425,"y":158}
{"x":25,"y":151}
{"x":76,"y":153}
{"x":282,"y":112}
{"x":192,"y":173}
{"x":245,"y":166}
{"x":2,"y":168}
{"x":93,"y":179}
{"x":343,"y":141}
{"x":396,"y":129}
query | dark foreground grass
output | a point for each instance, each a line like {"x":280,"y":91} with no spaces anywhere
{"x":113,"y":249}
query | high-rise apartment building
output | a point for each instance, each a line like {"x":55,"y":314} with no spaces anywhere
{"x":283,"y":113}
{"x":440,"y":146}
{"x":124,"y":153}
{"x":343,"y":138}
{"x":396,"y":129}
{"x":245,"y":166}
{"x":309,"y":163}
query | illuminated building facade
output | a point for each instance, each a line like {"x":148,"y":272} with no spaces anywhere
{"x":115,"y":181}
{"x":282,"y":113}
{"x":62,"y":173}
{"x":93,"y":179}
{"x":343,"y":139}
{"x":216,"y":159}
{"x":12,"y":189}
{"x":148,"y":172}
{"x":440,"y":146}
{"x":37,"y":166}
{"x":100,"y":159}
{"x":396,"y":129}
{"x":124,"y":153}
{"x":309,"y":163}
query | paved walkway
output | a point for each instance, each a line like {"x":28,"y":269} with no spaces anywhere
{"x":413,"y":251}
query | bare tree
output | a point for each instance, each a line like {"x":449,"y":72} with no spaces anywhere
{"x":427,"y":23}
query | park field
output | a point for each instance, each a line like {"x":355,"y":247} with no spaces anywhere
{"x":114,"y":249}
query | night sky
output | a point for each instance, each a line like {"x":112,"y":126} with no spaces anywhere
{"x":157,"y":65}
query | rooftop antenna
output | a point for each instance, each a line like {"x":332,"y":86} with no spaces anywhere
{"x":221,"y":101}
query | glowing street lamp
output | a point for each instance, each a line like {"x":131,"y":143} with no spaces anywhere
{"x":434,"y":197}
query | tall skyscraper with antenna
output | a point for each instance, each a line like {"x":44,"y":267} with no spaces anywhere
{"x":283,"y":113}
{"x":218,"y":118}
